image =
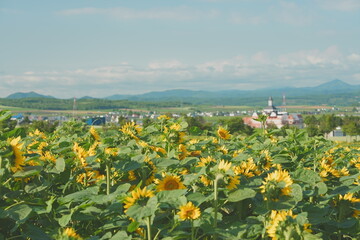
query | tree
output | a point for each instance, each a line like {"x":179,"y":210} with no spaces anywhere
{"x":44,"y":126}
{"x":311,"y":120}
{"x":6,"y":124}
{"x":350,"y":129}
{"x":328,"y":123}
{"x":197,"y":124}
{"x":236,"y":125}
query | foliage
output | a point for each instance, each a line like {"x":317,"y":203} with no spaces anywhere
{"x":158,"y":183}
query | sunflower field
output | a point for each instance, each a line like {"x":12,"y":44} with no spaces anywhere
{"x":160,"y":183}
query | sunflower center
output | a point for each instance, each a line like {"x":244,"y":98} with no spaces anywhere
{"x":222,"y":134}
{"x":190,"y":213}
{"x":170,"y":185}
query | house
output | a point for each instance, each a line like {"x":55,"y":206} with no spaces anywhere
{"x":96,"y":121}
{"x":275,"y":117}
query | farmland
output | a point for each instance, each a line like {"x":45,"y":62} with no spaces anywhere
{"x":159,"y":182}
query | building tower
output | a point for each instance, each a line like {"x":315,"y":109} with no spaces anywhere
{"x":270,"y":102}
{"x":284,"y":102}
{"x":270,"y":107}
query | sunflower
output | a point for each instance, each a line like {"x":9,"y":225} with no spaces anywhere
{"x":277,"y":183}
{"x":223,"y":149}
{"x":205,"y":161}
{"x":237,"y":152}
{"x":163,"y":117}
{"x":137,"y":195}
{"x":131,"y":128}
{"x":193,"y":141}
{"x":189,"y":211}
{"x":348,"y":202}
{"x":111,"y":151}
{"x":175,"y":127}
{"x":205,"y":180}
{"x":170,"y":183}
{"x":131,"y":176}
{"x":182,"y":151}
{"x":94,"y":133}
{"x":70,"y":232}
{"x":223,"y":133}
{"x":158,"y":149}
{"x":182,"y":137}
{"x":224,"y":165}
{"x":195,"y":153}
{"x":233,"y":182}
{"x":91,"y":177}
{"x":19,"y":158}
{"x":81,"y":154}
{"x":142,"y":143}
{"x":37,"y":133}
{"x":248,"y":168}
{"x":48,"y":156}
{"x":276,"y":218}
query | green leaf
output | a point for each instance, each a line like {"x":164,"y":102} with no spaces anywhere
{"x":133,"y":226}
{"x":34,"y":232}
{"x":165,"y":196}
{"x":60,"y":164}
{"x":306,"y":176}
{"x":65,"y":219}
{"x":296,"y":192}
{"x":241,"y":194}
{"x":80,"y":196}
{"x":28,"y":171}
{"x":138,"y":212}
{"x":19,"y":212}
{"x":127,"y":165}
{"x":281,"y":158}
{"x":4,"y":114}
{"x":322,"y":188}
{"x":34,"y":188}
{"x":165,"y":162}
{"x":102,"y":199}
{"x":197,"y":198}
{"x":121,"y":235}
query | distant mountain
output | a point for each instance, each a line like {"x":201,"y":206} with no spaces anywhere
{"x":19,"y":95}
{"x":335,"y":86}
{"x":87,"y":97}
{"x":118,"y":97}
{"x":332,"y":92}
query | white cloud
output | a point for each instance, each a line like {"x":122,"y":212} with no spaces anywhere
{"x":172,"y":64}
{"x":292,"y":13}
{"x":354,"y":57}
{"x":260,"y":70}
{"x":331,"y":56}
{"x":340,"y":5}
{"x":238,"y":18}
{"x":179,"y":13}
{"x":357,"y":76}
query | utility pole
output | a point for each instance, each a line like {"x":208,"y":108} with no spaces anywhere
{"x":74,"y":108}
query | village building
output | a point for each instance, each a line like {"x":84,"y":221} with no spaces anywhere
{"x":275,"y":117}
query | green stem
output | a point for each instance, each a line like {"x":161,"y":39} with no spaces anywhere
{"x":192,"y":230}
{"x":107,"y":179}
{"x":216,"y":202}
{"x":7,"y":208}
{"x":148,"y":228}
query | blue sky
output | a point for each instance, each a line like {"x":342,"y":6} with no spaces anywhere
{"x":99,"y":48}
